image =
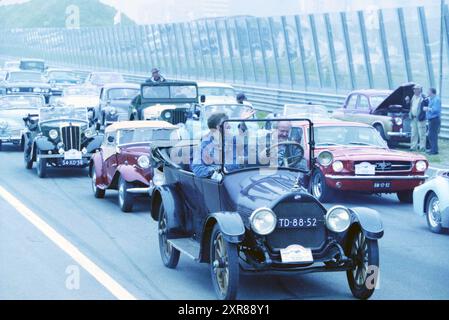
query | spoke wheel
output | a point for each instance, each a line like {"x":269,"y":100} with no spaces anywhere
{"x":434,"y":214}
{"x":224,"y":266}
{"x":169,"y":255}
{"x":98,"y":193}
{"x":363,"y":277}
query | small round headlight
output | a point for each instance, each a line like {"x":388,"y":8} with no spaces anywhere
{"x":263,"y":221}
{"x":421,"y":166}
{"x":143,"y":162}
{"x":338,"y":219}
{"x":398,"y":121}
{"x":338,"y":166}
{"x":325,"y":158}
{"x":53,"y":134}
{"x":89,"y":133}
{"x":167,"y":115}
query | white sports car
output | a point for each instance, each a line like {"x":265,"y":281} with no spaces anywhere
{"x":432,"y":200}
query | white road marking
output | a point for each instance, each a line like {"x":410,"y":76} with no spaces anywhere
{"x":102,"y":277}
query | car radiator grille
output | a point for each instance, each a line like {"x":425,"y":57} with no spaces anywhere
{"x":178,"y":116}
{"x":71,"y":137}
{"x":389,"y":166}
{"x":306,"y":237}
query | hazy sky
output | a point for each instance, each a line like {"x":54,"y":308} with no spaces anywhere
{"x":157,"y":11}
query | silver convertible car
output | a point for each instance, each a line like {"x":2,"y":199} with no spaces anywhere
{"x":13,"y":108}
{"x":432,"y":200}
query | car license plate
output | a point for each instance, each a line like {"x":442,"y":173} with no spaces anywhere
{"x":73,"y":155}
{"x":297,"y":223}
{"x":382,"y":185}
{"x":72,"y":163}
{"x":296,"y":253}
{"x":365,"y":169}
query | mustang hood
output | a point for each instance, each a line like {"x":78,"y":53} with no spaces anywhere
{"x":369,"y":154}
{"x":397,"y":97}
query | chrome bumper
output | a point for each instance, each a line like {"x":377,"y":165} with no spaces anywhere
{"x":399,"y":134}
{"x":7,"y":139}
{"x":383,"y":178}
{"x":86,"y":156}
{"x":138,"y":190}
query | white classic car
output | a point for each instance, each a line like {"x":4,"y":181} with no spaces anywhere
{"x":432,"y":200}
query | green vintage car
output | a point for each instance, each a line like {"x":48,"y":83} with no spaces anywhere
{"x":386,"y":110}
{"x":168,"y":101}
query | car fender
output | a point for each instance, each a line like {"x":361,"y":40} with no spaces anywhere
{"x":44,"y":144}
{"x":97,"y":161}
{"x":230,"y":223}
{"x":94,"y":143}
{"x":439,"y":186}
{"x":369,"y":221}
{"x":131,"y":174}
{"x":173,"y":204}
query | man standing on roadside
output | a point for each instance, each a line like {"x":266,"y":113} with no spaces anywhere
{"x":433,"y":116}
{"x":418,"y":117}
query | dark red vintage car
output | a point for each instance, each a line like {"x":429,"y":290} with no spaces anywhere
{"x":124,"y":161}
{"x":353,"y":157}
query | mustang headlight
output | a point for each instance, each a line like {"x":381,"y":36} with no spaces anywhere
{"x":337,"y":166}
{"x":263,"y":221}
{"x":338,"y":219}
{"x":53,"y":134}
{"x":143,"y":162}
{"x":421,"y":166}
{"x":325,"y":158}
{"x":89,"y":133}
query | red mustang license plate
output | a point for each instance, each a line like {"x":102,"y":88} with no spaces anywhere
{"x":382,"y":185}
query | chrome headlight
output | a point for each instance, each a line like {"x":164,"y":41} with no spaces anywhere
{"x":263,"y":221}
{"x":89,"y":133}
{"x":143,"y":162}
{"x":325,"y":158}
{"x":338,"y":166}
{"x":167,"y":115}
{"x":398,"y":121}
{"x":158,"y":178}
{"x":421,"y":166}
{"x":53,"y":134}
{"x":338,"y":219}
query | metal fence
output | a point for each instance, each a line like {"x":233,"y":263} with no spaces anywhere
{"x":318,"y":57}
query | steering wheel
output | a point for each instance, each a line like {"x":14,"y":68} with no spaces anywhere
{"x":292,"y":160}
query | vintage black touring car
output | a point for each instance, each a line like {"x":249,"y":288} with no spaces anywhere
{"x":254,"y":216}
{"x":168,"y":101}
{"x":59,"y":137}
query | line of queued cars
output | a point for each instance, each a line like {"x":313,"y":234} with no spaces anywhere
{"x":252,"y":217}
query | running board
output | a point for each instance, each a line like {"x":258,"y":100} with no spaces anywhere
{"x":187,"y":246}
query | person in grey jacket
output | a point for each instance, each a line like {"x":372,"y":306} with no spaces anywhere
{"x":417,"y":114}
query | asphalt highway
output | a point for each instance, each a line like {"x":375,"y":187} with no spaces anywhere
{"x":107,"y":254}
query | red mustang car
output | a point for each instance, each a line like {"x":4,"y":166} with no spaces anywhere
{"x":124,"y":160}
{"x":354,"y":157}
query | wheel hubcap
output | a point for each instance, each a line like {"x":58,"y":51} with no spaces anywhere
{"x":220,"y":263}
{"x":359,"y":252}
{"x":94,"y":180}
{"x":121,"y":193}
{"x":434,"y":212}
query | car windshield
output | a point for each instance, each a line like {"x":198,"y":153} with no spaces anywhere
{"x":143,"y":135}
{"x":122,"y":94}
{"x":348,"y":136}
{"x":32,"y":65}
{"x":103,"y":78}
{"x":81,"y":91}
{"x":62,"y":113}
{"x":268,"y":144}
{"x":217,"y":91}
{"x":21,"y":102}
{"x":169,"y":92}
{"x":306,"y":111}
{"x":24,"y":76}
{"x":62,"y":76}
{"x":377,"y":100}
